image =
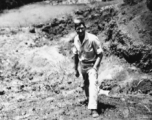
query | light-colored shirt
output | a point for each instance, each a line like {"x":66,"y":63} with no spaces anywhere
{"x":89,"y":49}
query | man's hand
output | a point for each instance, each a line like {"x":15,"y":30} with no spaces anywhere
{"x":77,"y":73}
{"x":92,"y":71}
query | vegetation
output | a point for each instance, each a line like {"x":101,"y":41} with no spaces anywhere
{"x":8,"y":4}
{"x":131,"y":2}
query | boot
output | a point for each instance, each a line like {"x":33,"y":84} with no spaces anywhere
{"x":94,"y":113}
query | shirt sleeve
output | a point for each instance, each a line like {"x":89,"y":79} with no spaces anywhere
{"x":97,"y":46}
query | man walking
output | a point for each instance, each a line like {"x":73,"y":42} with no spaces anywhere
{"x":88,"y":53}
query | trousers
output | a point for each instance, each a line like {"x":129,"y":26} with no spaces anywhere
{"x":90,"y":87}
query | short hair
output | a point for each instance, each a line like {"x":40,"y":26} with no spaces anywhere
{"x":78,"y":22}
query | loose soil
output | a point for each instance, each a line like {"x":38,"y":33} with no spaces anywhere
{"x":37,"y":79}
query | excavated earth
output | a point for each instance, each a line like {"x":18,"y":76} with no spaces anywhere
{"x":37,"y":79}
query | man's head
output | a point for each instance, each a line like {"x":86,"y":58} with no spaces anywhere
{"x":80,"y":26}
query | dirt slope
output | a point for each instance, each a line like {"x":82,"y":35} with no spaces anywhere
{"x":37,"y":81}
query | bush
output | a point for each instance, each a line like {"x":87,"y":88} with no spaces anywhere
{"x":131,"y":2}
{"x":8,"y":4}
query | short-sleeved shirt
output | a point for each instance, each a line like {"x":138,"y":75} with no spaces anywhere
{"x":89,"y":49}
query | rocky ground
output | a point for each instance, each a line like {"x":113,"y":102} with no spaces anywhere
{"x":37,"y":80}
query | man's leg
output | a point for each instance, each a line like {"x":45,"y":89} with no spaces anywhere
{"x":93,"y":90}
{"x":86,"y":84}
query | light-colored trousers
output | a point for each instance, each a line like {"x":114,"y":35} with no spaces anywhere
{"x":91,"y":87}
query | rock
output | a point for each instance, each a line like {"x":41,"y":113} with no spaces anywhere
{"x":47,"y":87}
{"x":32,"y":30}
{"x":69,"y":82}
{"x":22,"y":87}
{"x":31,"y":78}
{"x":145,"y":86}
{"x":100,"y":27}
{"x":39,"y":25}
{"x":150,"y":93}
{"x":2,"y":92}
{"x":95,"y":15}
{"x":62,"y":20}
{"x":55,"y":22}
{"x":79,"y":12}
{"x":104,"y":92}
{"x":46,"y":28}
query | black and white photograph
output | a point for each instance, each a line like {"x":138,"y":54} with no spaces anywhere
{"x":75,"y":59}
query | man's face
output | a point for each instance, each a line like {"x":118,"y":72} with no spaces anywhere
{"x":80,"y":30}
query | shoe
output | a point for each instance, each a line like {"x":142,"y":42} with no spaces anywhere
{"x":94,"y":113}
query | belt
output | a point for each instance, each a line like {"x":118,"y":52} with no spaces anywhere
{"x":88,"y":63}
{"x":85,"y":66}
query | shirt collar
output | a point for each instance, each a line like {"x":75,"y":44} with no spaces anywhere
{"x":85,"y":38}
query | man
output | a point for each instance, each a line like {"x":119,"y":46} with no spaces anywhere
{"x":87,"y":53}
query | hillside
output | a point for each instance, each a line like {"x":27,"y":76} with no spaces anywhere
{"x":37,"y":79}
{"x":9,"y":4}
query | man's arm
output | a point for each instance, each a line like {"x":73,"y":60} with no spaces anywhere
{"x":76,"y":58}
{"x":99,"y":52}
{"x":76,"y":62}
{"x":98,"y":61}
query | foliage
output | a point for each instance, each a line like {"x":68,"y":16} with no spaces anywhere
{"x":8,"y":4}
{"x":131,"y":2}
